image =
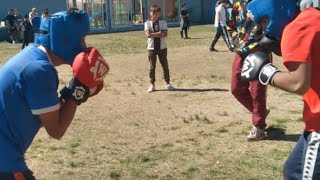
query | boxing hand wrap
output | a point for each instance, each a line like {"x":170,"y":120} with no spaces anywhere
{"x":257,"y":66}
{"x":75,"y":91}
{"x":267,"y":73}
{"x":90,"y":68}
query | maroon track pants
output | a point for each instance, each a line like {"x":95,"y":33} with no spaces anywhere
{"x":251,"y":95}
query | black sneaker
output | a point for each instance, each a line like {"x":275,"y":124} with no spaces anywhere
{"x":212,"y":49}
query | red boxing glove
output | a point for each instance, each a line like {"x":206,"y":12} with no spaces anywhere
{"x":90,"y":68}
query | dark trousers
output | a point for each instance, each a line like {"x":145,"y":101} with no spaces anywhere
{"x":26,"y":175}
{"x":304,"y":160}
{"x":25,"y":41}
{"x":185,"y":30}
{"x":162,"y":54}
{"x":221,"y":31}
{"x":252,"y":95}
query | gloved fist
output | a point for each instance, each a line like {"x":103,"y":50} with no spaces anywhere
{"x":257,"y":66}
{"x":78,"y":92}
{"x":90,"y":68}
{"x":75,"y":91}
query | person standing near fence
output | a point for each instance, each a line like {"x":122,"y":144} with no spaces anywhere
{"x":33,"y":13}
{"x":184,"y":21}
{"x":11,"y":23}
{"x":45,"y":13}
{"x":26,"y":28}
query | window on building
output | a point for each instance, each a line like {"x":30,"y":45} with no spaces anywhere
{"x":96,"y":10}
{"x":137,"y":11}
{"x":120,"y":12}
{"x":169,"y":9}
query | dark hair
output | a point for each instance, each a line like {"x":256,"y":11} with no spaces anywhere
{"x":26,"y":16}
{"x":155,"y":8}
{"x":223,"y":1}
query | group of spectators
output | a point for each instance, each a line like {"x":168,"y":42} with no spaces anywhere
{"x":20,"y":27}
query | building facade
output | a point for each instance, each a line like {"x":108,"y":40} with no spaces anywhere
{"x":123,"y":15}
{"x":118,"y":15}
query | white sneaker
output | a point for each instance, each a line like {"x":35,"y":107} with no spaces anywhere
{"x":256,"y":134}
{"x":151,"y":88}
{"x":169,"y":87}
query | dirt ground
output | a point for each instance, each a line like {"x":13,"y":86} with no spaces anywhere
{"x":197,"y":131}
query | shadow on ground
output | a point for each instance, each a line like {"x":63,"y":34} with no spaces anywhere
{"x":279,"y":134}
{"x":195,"y":89}
{"x":197,"y":38}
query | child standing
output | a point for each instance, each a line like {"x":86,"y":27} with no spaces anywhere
{"x":184,"y":23}
{"x":26,"y":28}
{"x":157,"y":30}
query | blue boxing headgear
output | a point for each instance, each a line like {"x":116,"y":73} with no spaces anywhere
{"x":63,"y":33}
{"x":279,"y":13}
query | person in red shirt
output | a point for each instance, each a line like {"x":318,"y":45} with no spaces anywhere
{"x":300,"y":37}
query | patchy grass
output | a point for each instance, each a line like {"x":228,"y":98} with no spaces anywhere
{"x":196,"y":132}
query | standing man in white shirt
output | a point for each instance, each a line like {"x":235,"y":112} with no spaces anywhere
{"x":157,"y":30}
{"x":220,"y":24}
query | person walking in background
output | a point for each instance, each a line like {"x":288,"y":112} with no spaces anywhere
{"x":220,"y":25}
{"x":184,"y":21}
{"x":252,"y":95}
{"x":156,"y":31}
{"x":25,"y":31}
{"x":11,"y":23}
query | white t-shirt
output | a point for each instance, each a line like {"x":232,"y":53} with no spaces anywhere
{"x":220,"y":16}
{"x":32,"y":15}
{"x":162,"y":27}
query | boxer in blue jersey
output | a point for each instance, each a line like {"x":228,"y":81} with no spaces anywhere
{"x":28,"y":89}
